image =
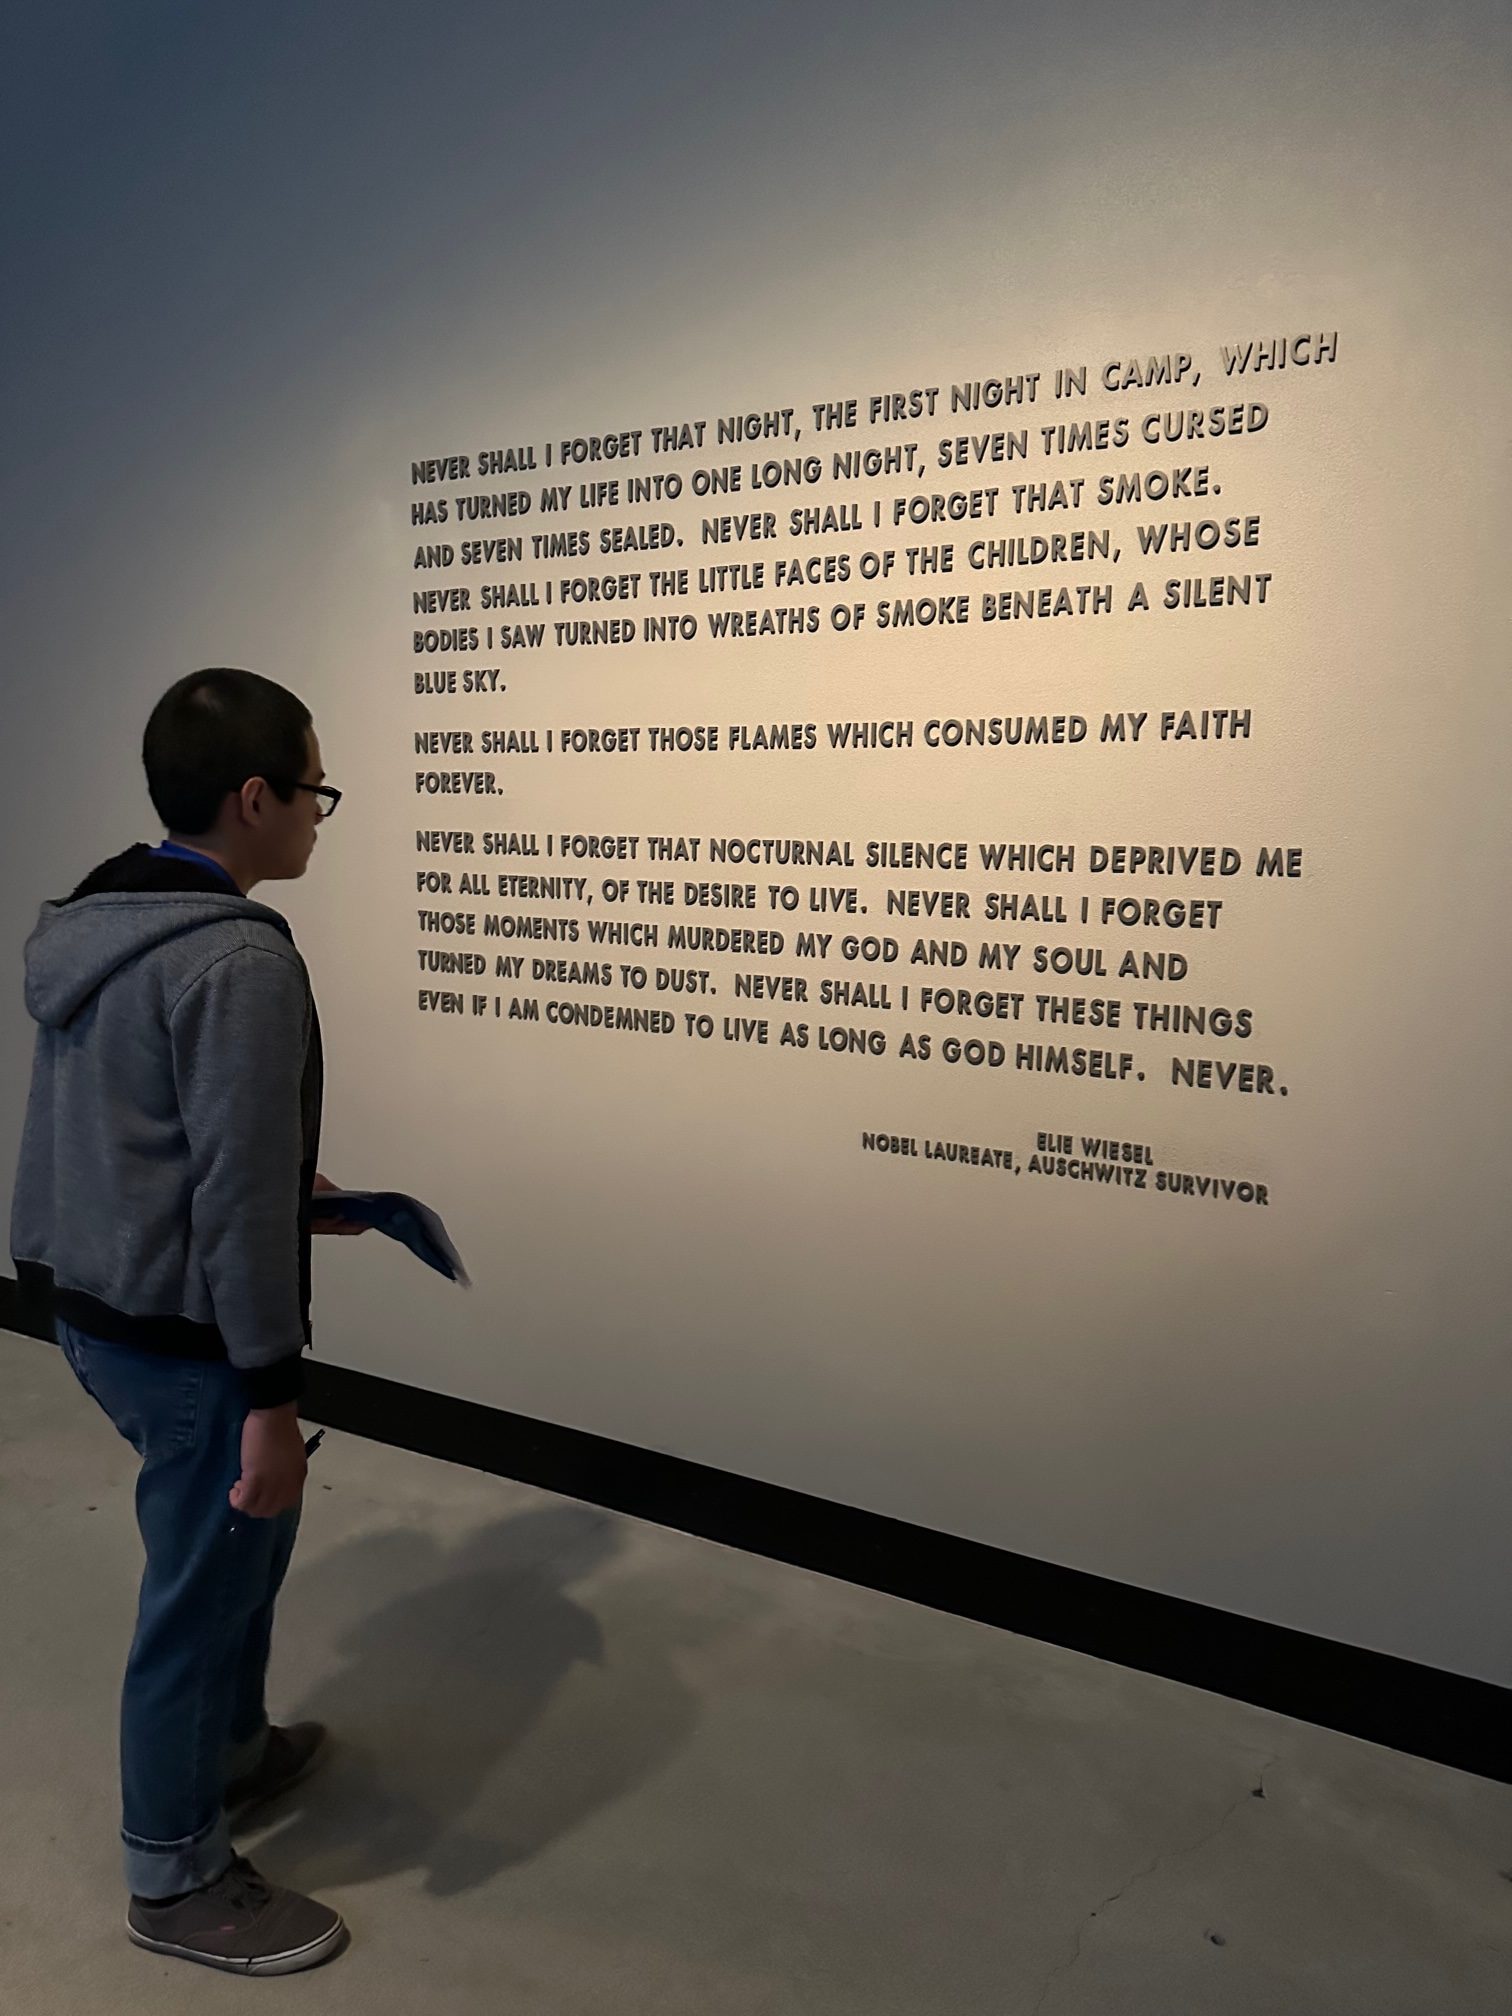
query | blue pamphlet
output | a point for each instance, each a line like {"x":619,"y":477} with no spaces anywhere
{"x":403,"y":1218}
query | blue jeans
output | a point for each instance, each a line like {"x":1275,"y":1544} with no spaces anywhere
{"x":192,"y":1712}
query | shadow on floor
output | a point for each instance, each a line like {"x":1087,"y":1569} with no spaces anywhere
{"x":461,"y":1748}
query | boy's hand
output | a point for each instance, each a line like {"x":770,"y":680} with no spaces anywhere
{"x":332,"y":1227}
{"x":273,"y":1463}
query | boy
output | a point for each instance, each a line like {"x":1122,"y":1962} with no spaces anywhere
{"x":163,"y":1212}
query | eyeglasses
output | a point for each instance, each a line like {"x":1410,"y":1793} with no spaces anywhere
{"x":328,"y":795}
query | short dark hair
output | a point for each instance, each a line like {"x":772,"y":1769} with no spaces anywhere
{"x":210,"y":733}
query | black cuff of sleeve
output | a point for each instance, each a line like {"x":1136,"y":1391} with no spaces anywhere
{"x":276,"y":1384}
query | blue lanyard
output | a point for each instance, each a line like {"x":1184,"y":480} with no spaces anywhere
{"x":171,"y":851}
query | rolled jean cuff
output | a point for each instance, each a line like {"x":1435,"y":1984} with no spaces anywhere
{"x":168,"y":1868}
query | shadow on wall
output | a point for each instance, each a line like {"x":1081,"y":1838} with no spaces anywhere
{"x":455,"y":1754}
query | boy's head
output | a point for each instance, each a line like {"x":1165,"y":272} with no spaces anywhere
{"x":231,"y":760}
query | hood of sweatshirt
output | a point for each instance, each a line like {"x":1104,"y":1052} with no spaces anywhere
{"x":128,"y":906}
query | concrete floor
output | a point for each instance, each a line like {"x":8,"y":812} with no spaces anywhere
{"x":592,"y":1768}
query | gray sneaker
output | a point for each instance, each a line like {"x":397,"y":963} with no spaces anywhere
{"x":288,"y":1758}
{"x":242,"y":1924}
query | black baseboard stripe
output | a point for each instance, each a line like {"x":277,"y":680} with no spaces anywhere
{"x":1441,"y":1716}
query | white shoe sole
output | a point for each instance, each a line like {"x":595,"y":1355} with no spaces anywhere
{"x":295,"y":1961}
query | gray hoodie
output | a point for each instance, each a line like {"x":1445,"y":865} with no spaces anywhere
{"x":171,"y":1134}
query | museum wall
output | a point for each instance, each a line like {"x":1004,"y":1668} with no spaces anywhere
{"x":1090,"y":1138}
